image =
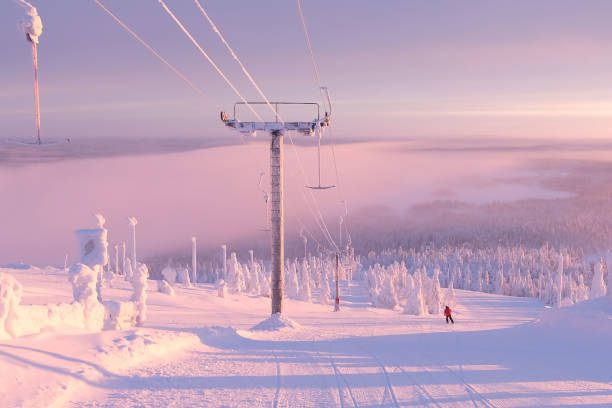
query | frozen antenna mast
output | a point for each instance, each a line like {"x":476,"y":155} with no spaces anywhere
{"x":277,"y":129}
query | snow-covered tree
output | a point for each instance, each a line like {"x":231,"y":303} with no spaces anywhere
{"x":304,"y":272}
{"x":325,"y":293}
{"x":235,"y":277}
{"x":414,"y":303}
{"x":598,"y":287}
{"x":291,"y":280}
{"x":434,"y":299}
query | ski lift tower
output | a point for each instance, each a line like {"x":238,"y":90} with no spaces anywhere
{"x":277,"y":129}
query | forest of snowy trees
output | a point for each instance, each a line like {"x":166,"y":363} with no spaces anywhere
{"x":423,"y":281}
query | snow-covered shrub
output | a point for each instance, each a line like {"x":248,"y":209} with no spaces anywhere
{"x":120,"y":315}
{"x":139,"y":283}
{"x":165,"y":287}
{"x":10,"y":296}
{"x":182,"y":276}
{"x":222,"y":289}
{"x":84,"y":281}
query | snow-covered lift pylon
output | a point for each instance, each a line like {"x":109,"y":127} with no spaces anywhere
{"x":277,"y":130}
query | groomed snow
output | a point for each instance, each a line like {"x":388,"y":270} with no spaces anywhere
{"x":198,"y":350}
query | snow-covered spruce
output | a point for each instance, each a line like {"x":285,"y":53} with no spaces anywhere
{"x":555,"y":277}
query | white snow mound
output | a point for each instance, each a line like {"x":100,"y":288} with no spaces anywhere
{"x":276,"y":322}
{"x":593,"y":314}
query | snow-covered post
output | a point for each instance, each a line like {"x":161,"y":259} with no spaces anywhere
{"x":123,"y":258}
{"x":609,"y":267}
{"x":117,"y":259}
{"x":133,"y":221}
{"x":278,"y":221}
{"x":559,"y":281}
{"x":337,"y":302}
{"x":224,"y":260}
{"x":340,"y":232}
{"x":252,"y":257}
{"x":194,"y":259}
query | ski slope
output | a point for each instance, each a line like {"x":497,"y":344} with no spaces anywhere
{"x":197,"y":350}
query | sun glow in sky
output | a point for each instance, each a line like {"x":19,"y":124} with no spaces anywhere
{"x":396,"y":69}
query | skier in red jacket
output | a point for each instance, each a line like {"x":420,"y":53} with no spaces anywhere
{"x":448,"y":313}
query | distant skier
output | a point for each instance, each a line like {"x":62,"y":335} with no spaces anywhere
{"x":448,"y":313}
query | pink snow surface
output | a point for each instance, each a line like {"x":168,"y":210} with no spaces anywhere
{"x":199,"y":350}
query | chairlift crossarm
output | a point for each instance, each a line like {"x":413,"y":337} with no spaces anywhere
{"x":252,"y":127}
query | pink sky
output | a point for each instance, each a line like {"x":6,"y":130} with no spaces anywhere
{"x":396,"y":69}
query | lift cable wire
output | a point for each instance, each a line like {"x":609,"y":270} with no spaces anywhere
{"x":318,"y":79}
{"x":152,"y":50}
{"x":317,"y":215}
{"x":312,"y":57}
{"x":341,"y":194}
{"x":244,"y":70}
{"x":193,"y":40}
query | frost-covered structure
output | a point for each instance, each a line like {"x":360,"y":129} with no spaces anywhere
{"x":93,"y":250}
{"x":10,"y":297}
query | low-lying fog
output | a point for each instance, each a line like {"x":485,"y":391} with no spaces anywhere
{"x":212,"y":193}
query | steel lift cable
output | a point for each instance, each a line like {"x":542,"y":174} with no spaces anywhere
{"x":197,"y":45}
{"x":153,"y":51}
